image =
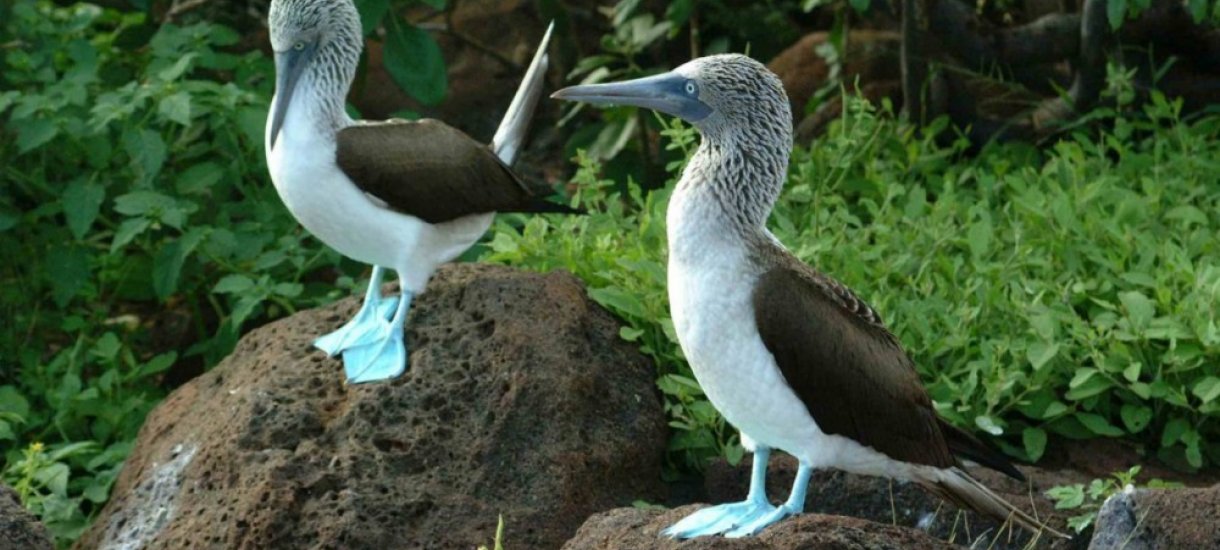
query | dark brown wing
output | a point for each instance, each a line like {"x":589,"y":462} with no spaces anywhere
{"x":851,"y":372}
{"x":432,"y":171}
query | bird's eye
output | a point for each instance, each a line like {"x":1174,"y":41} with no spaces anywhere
{"x":690,"y":88}
{"x":298,"y":46}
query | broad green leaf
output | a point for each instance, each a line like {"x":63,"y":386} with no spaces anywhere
{"x":143,"y":203}
{"x":9,"y":218}
{"x":622,"y":302}
{"x":1207,"y":389}
{"x":1116,"y":10}
{"x":979,"y":237}
{"x":1173,"y":431}
{"x":233,"y":284}
{"x":1136,"y":417}
{"x":199,"y":178}
{"x":176,"y":108}
{"x":371,"y":13}
{"x":81,"y":203}
{"x":1098,"y":424}
{"x":1067,"y":496}
{"x":414,"y":61}
{"x":167,"y":265}
{"x":1041,"y":353}
{"x":33,"y":133}
{"x":1198,"y":9}
{"x":107,"y":347}
{"x":147,"y":151}
{"x":11,"y":401}
{"x":1139,"y":308}
{"x":128,"y":230}
{"x":988,"y":424}
{"x":68,"y":269}
{"x":1086,"y":383}
{"x":1035,"y":442}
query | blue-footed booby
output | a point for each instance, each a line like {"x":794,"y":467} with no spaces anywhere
{"x":396,"y":194}
{"x":791,"y":358}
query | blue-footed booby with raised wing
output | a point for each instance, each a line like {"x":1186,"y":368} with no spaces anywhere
{"x":791,"y":358}
{"x":396,"y":194}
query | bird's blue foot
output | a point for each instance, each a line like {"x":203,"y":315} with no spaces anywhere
{"x":381,"y":359}
{"x":366,"y":327}
{"x":386,"y":356}
{"x":721,"y":518}
{"x":757,"y":523}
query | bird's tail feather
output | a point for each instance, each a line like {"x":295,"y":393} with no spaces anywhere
{"x":516,"y":122}
{"x":958,"y":487}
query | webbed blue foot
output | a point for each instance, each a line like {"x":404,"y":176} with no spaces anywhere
{"x":714,"y":520}
{"x":367,"y":325}
{"x":721,"y":518}
{"x":794,"y":505}
{"x":384,"y":357}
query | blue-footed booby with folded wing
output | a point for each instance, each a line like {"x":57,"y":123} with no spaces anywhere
{"x":396,"y":194}
{"x":790,"y":357}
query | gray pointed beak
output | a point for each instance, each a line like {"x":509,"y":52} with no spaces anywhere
{"x":288,"y":68}
{"x":669,"y":93}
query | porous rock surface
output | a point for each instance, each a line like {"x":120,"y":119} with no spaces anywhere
{"x":1155,"y":519}
{"x":521,"y":400}
{"x":904,"y":504}
{"x":634,"y":528}
{"x":19,"y":529}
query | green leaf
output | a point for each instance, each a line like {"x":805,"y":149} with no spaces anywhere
{"x":167,"y":266}
{"x":414,"y":61}
{"x":979,"y":237}
{"x":176,"y":108}
{"x":1139,"y":308}
{"x":143,"y":203}
{"x":1086,"y":383}
{"x":81,"y":203}
{"x":1098,"y":424}
{"x":1115,"y":11}
{"x":1173,"y":431}
{"x":988,"y":424}
{"x":9,"y":218}
{"x":128,"y":230}
{"x":233,"y":284}
{"x":860,"y":6}
{"x":435,"y":4}
{"x":11,"y":401}
{"x":1198,"y":10}
{"x":68,"y":269}
{"x":54,"y":477}
{"x":1135,"y":417}
{"x":1067,"y":496}
{"x":1207,"y":389}
{"x":371,"y":13}
{"x":199,"y":178}
{"x":33,"y":133}
{"x":147,"y":151}
{"x":1041,"y":353}
{"x":107,"y":347}
{"x":1035,"y":442}
{"x":619,"y":301}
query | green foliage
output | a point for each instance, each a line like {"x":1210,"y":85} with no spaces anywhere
{"x":1070,"y":294}
{"x":141,"y":233}
{"x":411,"y":55}
{"x":1088,"y":500}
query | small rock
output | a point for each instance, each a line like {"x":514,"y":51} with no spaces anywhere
{"x":521,"y":400}
{"x":1139,"y":519}
{"x":19,"y":529}
{"x":633,"y":528}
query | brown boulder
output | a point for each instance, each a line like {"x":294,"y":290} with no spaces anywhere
{"x":19,"y":529}
{"x":883,"y":501}
{"x":1154,"y":519}
{"x":634,"y":528}
{"x":521,"y":400}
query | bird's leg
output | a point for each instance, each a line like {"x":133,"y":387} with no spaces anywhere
{"x":793,"y":506}
{"x":366,"y":326}
{"x":385,"y":357}
{"x":724,"y":517}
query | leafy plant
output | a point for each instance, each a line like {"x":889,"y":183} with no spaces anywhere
{"x":1088,"y":500}
{"x":499,"y":540}
{"x":411,"y":55}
